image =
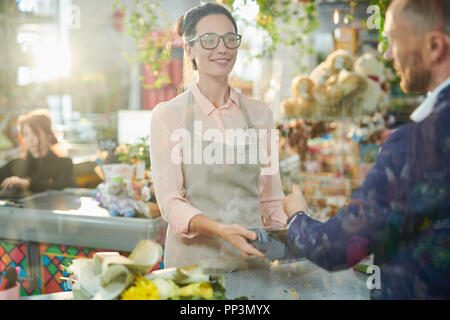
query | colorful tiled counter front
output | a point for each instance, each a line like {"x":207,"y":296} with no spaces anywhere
{"x":55,"y":227}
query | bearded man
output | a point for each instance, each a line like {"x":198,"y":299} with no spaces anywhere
{"x":401,"y":212}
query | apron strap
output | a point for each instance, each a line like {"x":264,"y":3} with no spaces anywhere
{"x":247,"y":118}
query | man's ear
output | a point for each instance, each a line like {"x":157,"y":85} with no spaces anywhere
{"x":437,"y":46}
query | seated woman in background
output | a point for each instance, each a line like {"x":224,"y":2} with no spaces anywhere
{"x":42,"y":167}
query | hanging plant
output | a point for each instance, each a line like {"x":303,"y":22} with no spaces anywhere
{"x":272,"y":13}
{"x":147,"y":23}
{"x":383,"y":6}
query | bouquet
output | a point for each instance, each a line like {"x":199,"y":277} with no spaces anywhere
{"x":111,"y":276}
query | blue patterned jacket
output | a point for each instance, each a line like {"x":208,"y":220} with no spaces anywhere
{"x":401,"y":214}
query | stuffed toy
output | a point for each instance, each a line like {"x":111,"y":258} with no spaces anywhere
{"x":289,"y":108}
{"x":121,"y":202}
{"x":144,"y":191}
{"x":328,"y":99}
{"x":376,"y":89}
{"x":326,"y":72}
{"x":339,"y":86}
{"x":330,"y":87}
{"x":320,"y":74}
{"x":338,"y":61}
{"x":350,"y":82}
{"x":303,"y":92}
{"x":337,"y":94}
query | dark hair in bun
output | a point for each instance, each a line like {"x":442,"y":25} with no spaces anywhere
{"x":187,"y":22}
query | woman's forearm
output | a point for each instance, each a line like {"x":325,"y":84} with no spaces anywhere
{"x":203,"y":225}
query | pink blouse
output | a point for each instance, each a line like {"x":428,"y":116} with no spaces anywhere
{"x":167,"y":175}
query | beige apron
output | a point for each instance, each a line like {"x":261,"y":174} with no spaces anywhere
{"x":225,"y":193}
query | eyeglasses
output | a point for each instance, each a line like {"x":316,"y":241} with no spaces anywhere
{"x":210,"y":41}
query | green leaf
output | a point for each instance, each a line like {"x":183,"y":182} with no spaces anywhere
{"x":361,"y":268}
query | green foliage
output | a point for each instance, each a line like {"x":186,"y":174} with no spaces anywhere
{"x":131,"y":152}
{"x":384,"y":5}
{"x":218,"y":285}
{"x":147,"y":17}
{"x":146,"y":22}
{"x":272,"y":12}
{"x":361,"y":267}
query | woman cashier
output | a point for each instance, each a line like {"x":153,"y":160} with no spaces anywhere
{"x":211,"y":205}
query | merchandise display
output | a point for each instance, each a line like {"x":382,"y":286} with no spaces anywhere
{"x":334,"y":157}
{"x":341,"y":86}
{"x":334,"y":123}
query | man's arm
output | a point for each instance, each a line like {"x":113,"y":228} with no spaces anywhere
{"x":361,"y":224}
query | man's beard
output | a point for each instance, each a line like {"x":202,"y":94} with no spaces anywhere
{"x":414,"y":78}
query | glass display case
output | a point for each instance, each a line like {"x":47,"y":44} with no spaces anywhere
{"x":50,"y":229}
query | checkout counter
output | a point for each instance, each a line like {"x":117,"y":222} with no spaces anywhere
{"x":57,"y":226}
{"x":301,"y":280}
{"x":51,"y":228}
{"x":54,"y":227}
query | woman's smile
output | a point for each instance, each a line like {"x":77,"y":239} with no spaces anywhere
{"x":221,"y":61}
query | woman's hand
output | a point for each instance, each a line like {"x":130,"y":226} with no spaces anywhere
{"x":237,"y":235}
{"x":15,"y":182}
{"x":295,"y":202}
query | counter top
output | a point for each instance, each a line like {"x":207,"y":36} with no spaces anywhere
{"x":300,"y":280}
{"x":72,"y":217}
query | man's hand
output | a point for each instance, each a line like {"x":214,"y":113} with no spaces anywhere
{"x":15,"y":182}
{"x":295,"y":202}
{"x":237,"y":235}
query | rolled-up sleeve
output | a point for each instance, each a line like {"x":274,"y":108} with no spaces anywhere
{"x":270,"y":186}
{"x":167,"y":174}
{"x":271,"y":201}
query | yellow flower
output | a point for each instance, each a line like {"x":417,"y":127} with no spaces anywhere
{"x":166,"y":288}
{"x":202,"y":289}
{"x":143,"y":289}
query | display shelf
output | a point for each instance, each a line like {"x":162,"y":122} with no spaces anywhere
{"x":331,"y":171}
{"x":324,"y":193}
